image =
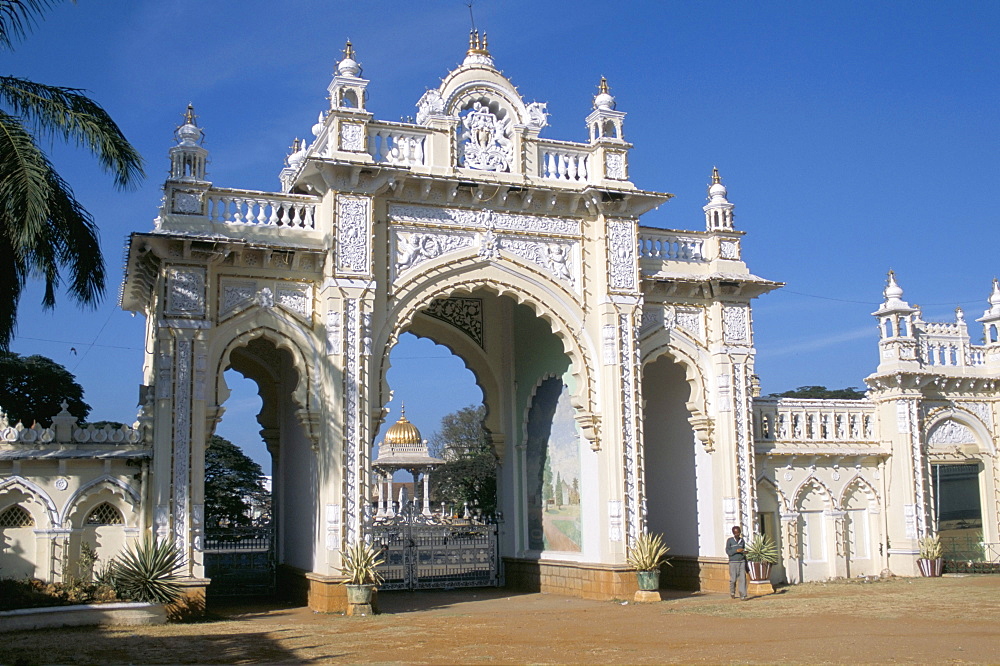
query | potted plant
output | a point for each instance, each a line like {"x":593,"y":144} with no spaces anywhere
{"x":931,"y":562}
{"x":645,"y":556}
{"x":360,"y":562}
{"x":761,"y":552}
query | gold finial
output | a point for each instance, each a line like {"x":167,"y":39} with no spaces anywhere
{"x":477,"y":45}
{"x":716,"y":178}
{"x":485,"y":43}
{"x":603,"y":87}
{"x":189,"y":117}
{"x":892,"y":274}
{"x":296,"y":145}
{"x":349,"y":51}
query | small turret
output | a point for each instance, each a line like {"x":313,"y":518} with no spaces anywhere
{"x":718,"y":210}
{"x":605,"y":122}
{"x":991,"y":317}
{"x":348,"y":90}
{"x":188,"y":158}
{"x":897,"y":323}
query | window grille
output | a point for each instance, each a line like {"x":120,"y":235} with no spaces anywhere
{"x":16,"y":516}
{"x":105,"y":514}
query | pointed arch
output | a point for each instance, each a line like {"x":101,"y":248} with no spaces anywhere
{"x":524,"y":285}
{"x":963,"y":417}
{"x":812,"y":482}
{"x":860,"y":483}
{"x":105,"y":482}
{"x":34,"y":492}
{"x":685,"y":351}
{"x":771,"y":486}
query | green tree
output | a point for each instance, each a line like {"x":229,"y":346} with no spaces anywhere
{"x":43,"y":228}
{"x":33,"y":388}
{"x":822,"y":393}
{"x":234,"y":486}
{"x":470,"y":471}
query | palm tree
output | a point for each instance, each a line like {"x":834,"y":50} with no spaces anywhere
{"x":43,"y":228}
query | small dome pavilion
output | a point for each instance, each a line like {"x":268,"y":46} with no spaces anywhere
{"x":402,"y":448}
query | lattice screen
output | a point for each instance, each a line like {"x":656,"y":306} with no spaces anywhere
{"x":105,"y":514}
{"x":16,"y":516}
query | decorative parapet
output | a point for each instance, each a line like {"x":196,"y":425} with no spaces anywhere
{"x":232,"y":211}
{"x":790,"y":426}
{"x":63,"y":439}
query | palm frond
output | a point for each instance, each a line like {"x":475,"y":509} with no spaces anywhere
{"x":18,"y":18}
{"x":71,"y":115}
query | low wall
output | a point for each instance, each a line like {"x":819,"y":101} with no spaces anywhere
{"x":52,"y":617}
{"x":700,"y":574}
{"x":590,"y":581}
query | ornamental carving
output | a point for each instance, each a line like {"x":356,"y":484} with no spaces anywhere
{"x":236,"y":296}
{"x":485,"y":140}
{"x":538,"y":117}
{"x":296,"y":299}
{"x":950,"y":432}
{"x":353,"y":239}
{"x":729,"y":249}
{"x":734,"y":323}
{"x":431,"y":104}
{"x":414,"y":248}
{"x":689,"y":319}
{"x":333,"y":338}
{"x":556,"y":258}
{"x":186,"y":295}
{"x":186,"y":203}
{"x":465,"y":314}
{"x":484,"y":219}
{"x":352,"y":137}
{"x":621,"y":255}
{"x":609,"y":344}
{"x":614,"y":166}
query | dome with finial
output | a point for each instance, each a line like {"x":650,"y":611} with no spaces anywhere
{"x":402,"y":434}
{"x":892,"y":291}
{"x":349,"y":66}
{"x":717,"y":190}
{"x":189,"y":134}
{"x":479,"y":50}
{"x":603,"y":99}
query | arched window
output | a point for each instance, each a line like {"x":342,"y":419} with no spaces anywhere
{"x":105,"y":514}
{"x":16,"y":516}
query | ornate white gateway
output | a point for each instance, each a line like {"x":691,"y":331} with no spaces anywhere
{"x":525,"y":257}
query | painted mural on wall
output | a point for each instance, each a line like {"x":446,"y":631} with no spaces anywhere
{"x":553,"y":461}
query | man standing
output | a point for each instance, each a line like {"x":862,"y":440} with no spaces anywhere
{"x":735,"y":548}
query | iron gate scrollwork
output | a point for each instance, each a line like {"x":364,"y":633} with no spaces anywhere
{"x":240,"y":560}
{"x":433,"y":551}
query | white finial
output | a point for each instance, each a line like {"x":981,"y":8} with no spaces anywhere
{"x":189,"y":134}
{"x":603,"y":99}
{"x":349,"y":66}
{"x":959,"y":315}
{"x":995,"y":296}
{"x":892,"y":291}
{"x":717,"y":191}
{"x":317,"y":129}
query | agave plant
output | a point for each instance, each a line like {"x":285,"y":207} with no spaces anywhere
{"x":361,"y":560}
{"x":762,"y":549}
{"x":930,"y":547}
{"x":648,"y":552}
{"x":147,"y":571}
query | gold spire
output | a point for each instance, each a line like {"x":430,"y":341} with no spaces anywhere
{"x":716,"y":178}
{"x":189,"y":117}
{"x":603,"y":87}
{"x":349,"y":50}
{"x":478,"y":45}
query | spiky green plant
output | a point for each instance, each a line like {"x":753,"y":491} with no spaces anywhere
{"x":648,"y":552}
{"x":930,"y":547}
{"x":147,"y":571}
{"x":360,"y":564}
{"x":762,"y":549}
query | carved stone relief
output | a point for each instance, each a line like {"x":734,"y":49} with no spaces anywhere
{"x":614,"y":166}
{"x":353,"y":238}
{"x":236,"y":296}
{"x":431,"y":104}
{"x":484,"y":219}
{"x":352,"y":137}
{"x":690,"y":320}
{"x":621,"y":255}
{"x":729,"y":249}
{"x":555,"y":257}
{"x":485,"y":140}
{"x":186,"y":292}
{"x":465,"y":314}
{"x":296,"y":298}
{"x":186,"y":203}
{"x":415,"y":247}
{"x":734,"y":323}
{"x":950,"y":432}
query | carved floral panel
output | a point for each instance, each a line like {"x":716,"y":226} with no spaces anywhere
{"x":353,"y":237}
{"x":186,"y":292}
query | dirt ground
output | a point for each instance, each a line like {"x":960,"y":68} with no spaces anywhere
{"x":946,"y":620}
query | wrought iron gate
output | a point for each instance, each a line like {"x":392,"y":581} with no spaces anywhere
{"x":435,"y":552}
{"x":240,"y":561}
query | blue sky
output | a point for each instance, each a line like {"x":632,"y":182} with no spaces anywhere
{"x":853,"y":137}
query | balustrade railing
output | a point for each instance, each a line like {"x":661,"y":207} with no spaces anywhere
{"x":563,"y":163}
{"x":814,"y":421}
{"x":398,"y":147}
{"x":669,"y":246}
{"x":946,"y":353}
{"x":261,"y":209}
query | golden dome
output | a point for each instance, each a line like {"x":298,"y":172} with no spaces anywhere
{"x":402,"y":433}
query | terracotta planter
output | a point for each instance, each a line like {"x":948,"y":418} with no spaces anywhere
{"x":359,"y":594}
{"x":760,"y":572}
{"x":930,"y":568}
{"x":648,"y":580}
